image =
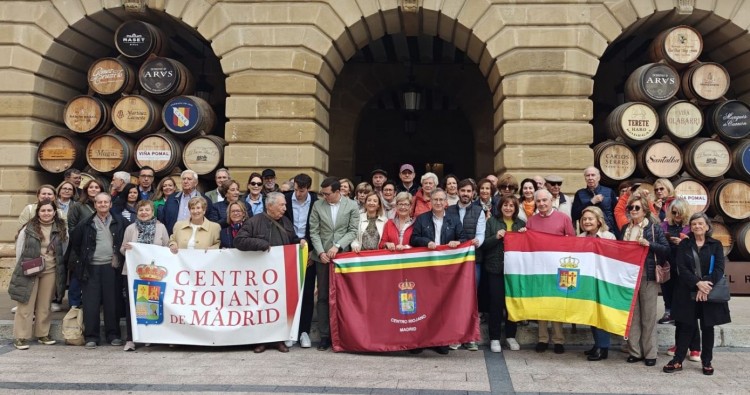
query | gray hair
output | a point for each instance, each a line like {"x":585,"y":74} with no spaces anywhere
{"x":190,"y":172}
{"x":403,"y":197}
{"x":272,"y":198}
{"x":592,"y":168}
{"x":439,"y":190}
{"x":539,"y":192}
{"x":122,"y":175}
{"x":429,"y":175}
{"x":703,"y":215}
{"x":223,"y":170}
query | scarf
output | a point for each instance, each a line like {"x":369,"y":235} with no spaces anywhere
{"x":146,"y":231}
{"x":236,"y":229}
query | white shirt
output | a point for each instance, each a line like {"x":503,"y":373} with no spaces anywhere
{"x":191,"y":242}
{"x":300,"y":211}
{"x":334,"y":211}
{"x":438,"y":222}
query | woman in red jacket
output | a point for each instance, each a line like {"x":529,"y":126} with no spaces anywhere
{"x":398,"y":230}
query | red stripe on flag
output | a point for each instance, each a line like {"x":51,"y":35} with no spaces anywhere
{"x":291,"y":276}
{"x":626,"y":251}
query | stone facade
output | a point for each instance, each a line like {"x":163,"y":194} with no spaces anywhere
{"x":282,"y":59}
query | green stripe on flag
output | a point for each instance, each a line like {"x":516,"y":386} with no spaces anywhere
{"x":588,"y":288}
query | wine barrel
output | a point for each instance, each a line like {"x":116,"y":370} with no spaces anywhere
{"x":204,"y":154}
{"x":741,"y":160}
{"x":729,"y":119}
{"x":741,"y":236}
{"x":62,"y":152}
{"x":615,"y":160}
{"x":652,"y":83}
{"x":136,"y":40}
{"x":678,"y":46}
{"x":188,"y":116}
{"x":694,"y":192}
{"x":706,"y":159}
{"x":110,"y":153}
{"x":111,"y":77}
{"x":659,"y":158}
{"x":161,"y":151}
{"x":136,"y":115}
{"x":633,"y":122}
{"x":87,"y":116}
{"x":680,"y":120}
{"x":730,"y":199}
{"x":164,"y":78}
{"x":705,"y":82}
{"x":721,"y":232}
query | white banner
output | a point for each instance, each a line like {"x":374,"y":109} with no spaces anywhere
{"x":215,"y":297}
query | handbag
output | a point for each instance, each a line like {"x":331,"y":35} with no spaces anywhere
{"x":32,"y":267}
{"x":663,"y":273}
{"x":720,"y":291}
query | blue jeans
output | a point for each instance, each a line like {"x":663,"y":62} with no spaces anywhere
{"x":601,"y":337}
{"x":74,"y":292}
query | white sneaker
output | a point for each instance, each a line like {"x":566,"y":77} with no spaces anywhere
{"x":55,"y":307}
{"x":13,"y":310}
{"x":289,"y":343}
{"x":495,"y":346}
{"x":304,"y":340}
{"x":454,"y":346}
{"x":512,"y":344}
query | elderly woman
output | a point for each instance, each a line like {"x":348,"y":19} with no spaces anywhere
{"x":528,"y":206}
{"x":196,"y":233}
{"x":236,"y":215}
{"x":450,"y":184}
{"x":147,"y":230}
{"x":498,"y":225}
{"x":644,"y":228}
{"x":486,"y":198}
{"x":421,"y":202}
{"x":593,"y":225}
{"x":347,"y":188}
{"x":663,"y":197}
{"x":45,"y":236}
{"x":507,"y":185}
{"x":254,"y":197}
{"x":388,"y":198}
{"x":230,"y":191}
{"x":700,"y":262}
{"x":164,"y":190}
{"x":65,"y":192}
{"x":371,"y":225}
{"x":397,"y":231}
{"x":360,"y":194}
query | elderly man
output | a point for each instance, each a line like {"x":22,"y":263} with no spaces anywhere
{"x":437,"y":227}
{"x":261,"y":232}
{"x":406,"y":175}
{"x":334,"y":222}
{"x":595,"y":195}
{"x":97,"y":242}
{"x":421,"y":202}
{"x":539,"y":181}
{"x":560,"y":201}
{"x":269,"y":182}
{"x":549,"y":220}
{"x":146,"y":182}
{"x":220,"y":176}
{"x":378,"y":177}
{"x":176,"y":207}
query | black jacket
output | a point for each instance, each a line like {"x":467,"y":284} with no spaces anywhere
{"x":494,"y":249}
{"x":255,"y":234}
{"x":290,"y":211}
{"x":658,"y":249}
{"x":424,"y":230}
{"x":83,"y":241}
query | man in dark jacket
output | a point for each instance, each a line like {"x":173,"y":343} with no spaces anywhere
{"x":97,"y":243}
{"x":595,"y":195}
{"x":176,"y":207}
{"x":261,"y":232}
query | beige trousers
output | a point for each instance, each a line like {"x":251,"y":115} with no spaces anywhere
{"x":36,"y":312}
{"x":557,"y":332}
{"x":642,"y":340}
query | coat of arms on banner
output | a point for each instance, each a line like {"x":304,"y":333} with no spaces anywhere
{"x":149,"y":294}
{"x":407,"y":297}
{"x":567,"y":274}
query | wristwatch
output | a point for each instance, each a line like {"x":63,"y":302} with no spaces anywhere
{"x":337,"y":245}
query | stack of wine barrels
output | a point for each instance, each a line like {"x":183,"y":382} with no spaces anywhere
{"x":676,"y":123}
{"x":139,"y":111}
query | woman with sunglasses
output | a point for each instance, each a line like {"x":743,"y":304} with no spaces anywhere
{"x":644,"y":228}
{"x":253,"y":197}
{"x":507,"y":185}
{"x":663,"y":197}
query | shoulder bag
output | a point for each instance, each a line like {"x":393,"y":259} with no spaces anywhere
{"x":32,"y":267}
{"x":720,"y":291}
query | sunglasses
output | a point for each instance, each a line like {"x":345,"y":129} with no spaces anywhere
{"x":506,"y":186}
{"x":554,"y":184}
{"x":633,"y":208}
{"x":675,"y":213}
{"x":660,"y":189}
{"x":255,"y":184}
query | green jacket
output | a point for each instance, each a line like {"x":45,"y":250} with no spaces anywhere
{"x":20,"y":285}
{"x":494,"y":248}
{"x":324,"y":234}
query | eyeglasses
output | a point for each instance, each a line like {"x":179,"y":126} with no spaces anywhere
{"x":327,"y":194}
{"x":403,"y":205}
{"x":633,"y":208}
{"x":660,"y":189}
{"x":554,"y":184}
{"x":256,"y":184}
{"x":675,"y":213}
{"x":507,"y":186}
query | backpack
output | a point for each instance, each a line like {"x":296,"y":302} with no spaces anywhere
{"x":72,"y":327}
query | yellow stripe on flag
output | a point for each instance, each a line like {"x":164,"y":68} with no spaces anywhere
{"x":585,"y":312}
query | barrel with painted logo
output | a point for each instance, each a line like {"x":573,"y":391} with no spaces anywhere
{"x":110,"y":153}
{"x":706,"y":159}
{"x":694,"y":192}
{"x":705,"y":82}
{"x":680,"y":120}
{"x":731,"y":199}
{"x":741,"y":236}
{"x":615,"y":160}
{"x":633,"y":122}
{"x":659,"y":158}
{"x":87,"y":116}
{"x":136,"y":40}
{"x":740,"y":167}
{"x":136,"y":115}
{"x":730,"y":120}
{"x":652,"y":83}
{"x":188,"y":116}
{"x":679,"y":46}
{"x":111,"y":77}
{"x":61,"y":152}
{"x":204,"y":154}
{"x":161,"y":151}
{"x":164,"y":78}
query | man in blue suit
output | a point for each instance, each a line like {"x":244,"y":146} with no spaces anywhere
{"x":176,"y":207}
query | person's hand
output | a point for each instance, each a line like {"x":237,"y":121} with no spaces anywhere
{"x":675,"y":240}
{"x":402,"y":247}
{"x":597,"y":199}
{"x":127,"y":246}
{"x":500,"y":234}
{"x":303,"y":242}
{"x":522,"y":229}
{"x":356,"y":248}
{"x":390,"y":246}
{"x":453,"y":244}
{"x":643,"y":242}
{"x":701,"y":296}
{"x":475,"y":242}
{"x":431,"y":245}
{"x":332,"y":252}
{"x":705,"y":286}
{"x":324,"y":258}
{"x":173,"y":248}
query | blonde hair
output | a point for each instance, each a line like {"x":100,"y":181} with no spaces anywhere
{"x":198,"y":200}
{"x":599,"y":217}
{"x":666,"y":184}
{"x":682,"y":207}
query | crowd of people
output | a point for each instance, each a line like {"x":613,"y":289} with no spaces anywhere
{"x":83,"y":231}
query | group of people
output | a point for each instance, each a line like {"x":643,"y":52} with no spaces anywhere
{"x":379,"y":213}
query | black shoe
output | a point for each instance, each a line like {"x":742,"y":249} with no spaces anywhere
{"x":632,"y":359}
{"x":416,"y":351}
{"x":599,"y":354}
{"x":325,"y":343}
{"x":559,"y":349}
{"x":541,"y":347}
{"x":650,"y":362}
{"x":591,"y":351}
{"x":442,"y":350}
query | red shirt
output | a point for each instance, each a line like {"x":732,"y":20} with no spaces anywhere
{"x":390,"y":234}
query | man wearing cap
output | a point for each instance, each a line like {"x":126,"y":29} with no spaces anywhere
{"x":269,"y":182}
{"x":560,"y":201}
{"x":406,"y":174}
{"x":378,"y":177}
